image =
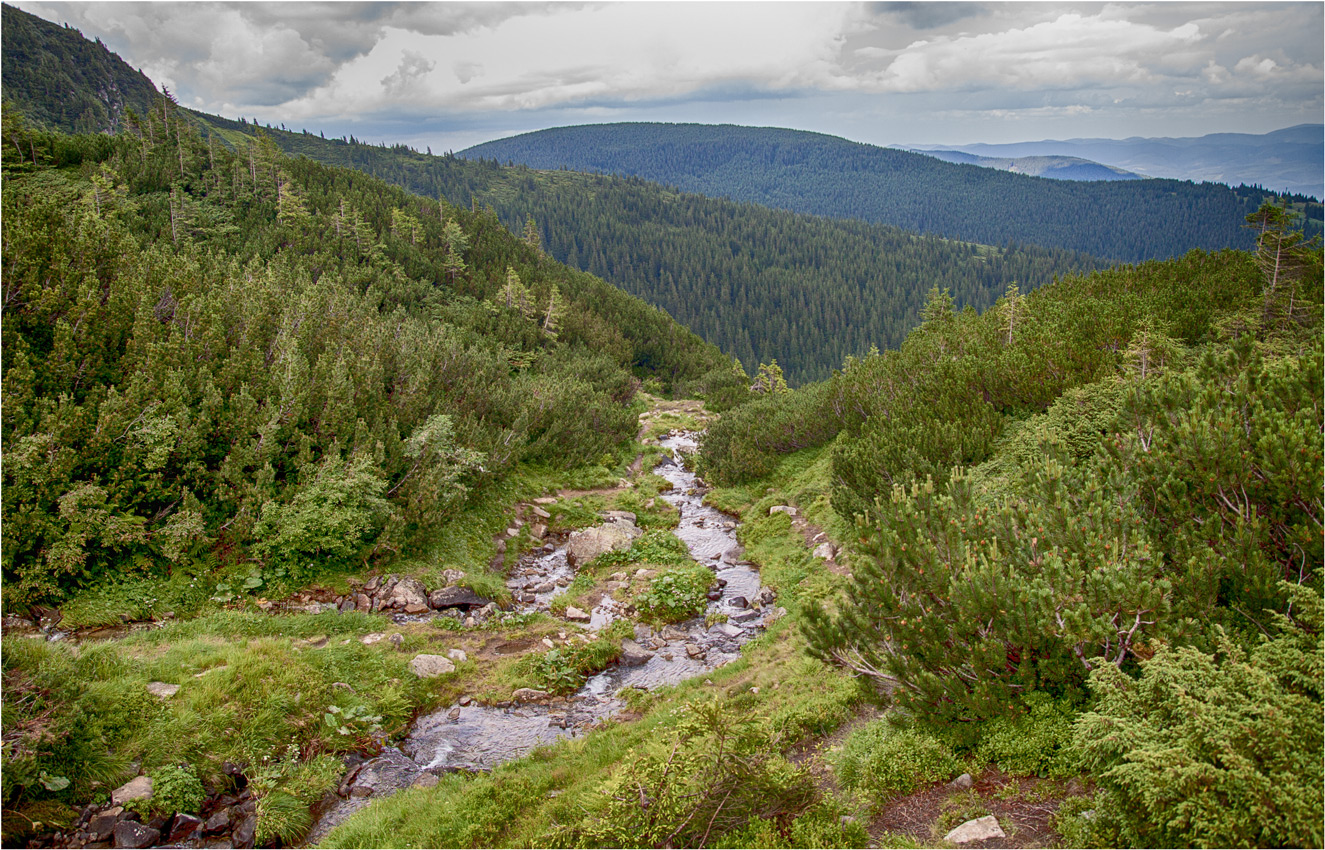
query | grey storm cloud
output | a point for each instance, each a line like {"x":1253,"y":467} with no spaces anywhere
{"x":874,"y":68}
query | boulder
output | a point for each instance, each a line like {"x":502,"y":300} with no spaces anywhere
{"x":725,"y":629}
{"x":589,"y":543}
{"x":431,"y":666}
{"x":184,"y":828}
{"x":980,"y":829}
{"x":456,"y":597}
{"x":162,"y":690}
{"x":131,"y":834}
{"x":138,"y":788}
{"x":527,"y":695}
{"x":633,"y":655}
{"x":102,"y":825}
{"x":246,"y":828}
{"x":407,"y":592}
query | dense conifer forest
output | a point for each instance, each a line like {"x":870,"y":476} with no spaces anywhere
{"x":1127,"y":221}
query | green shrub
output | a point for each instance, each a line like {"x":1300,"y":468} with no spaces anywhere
{"x":886,"y":762}
{"x":176,"y":788}
{"x":654,"y":547}
{"x":1034,"y":744}
{"x":1213,"y":750}
{"x":714,"y":776}
{"x":675,"y":595}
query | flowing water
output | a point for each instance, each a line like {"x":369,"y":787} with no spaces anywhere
{"x":474,"y":737}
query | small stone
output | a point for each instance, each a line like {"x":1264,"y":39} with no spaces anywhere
{"x":545,"y":500}
{"x":544,"y":587}
{"x":102,"y":825}
{"x":425,"y":780}
{"x":138,"y":788}
{"x":361,"y":791}
{"x":714,"y":595}
{"x":131,"y":834}
{"x":217,"y":823}
{"x":961,"y":783}
{"x":465,"y":700}
{"x":245,"y":831}
{"x":694,"y":650}
{"x":725,"y":629}
{"x":633,"y":655}
{"x":431,"y":666}
{"x":644,"y":574}
{"x":573,"y":613}
{"x":743,"y":616}
{"x":416,"y":608}
{"x":980,"y":829}
{"x":370,"y":639}
{"x":825,"y":551}
{"x":542,"y":514}
{"x":538,"y":531}
{"x":162,"y":690}
{"x":457,"y":655}
{"x":739,"y":602}
{"x":527,"y":695}
{"x":183,"y":828}
{"x":782,"y":509}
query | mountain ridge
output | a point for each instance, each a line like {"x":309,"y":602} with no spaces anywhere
{"x":1124,"y":221}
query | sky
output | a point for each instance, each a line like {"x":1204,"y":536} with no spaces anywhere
{"x":445,"y":76}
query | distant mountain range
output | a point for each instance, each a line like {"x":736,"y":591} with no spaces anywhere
{"x":1120,"y":220}
{"x":1289,"y":160}
{"x":1054,"y":167}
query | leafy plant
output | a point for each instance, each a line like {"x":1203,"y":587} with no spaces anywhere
{"x":675,"y":595}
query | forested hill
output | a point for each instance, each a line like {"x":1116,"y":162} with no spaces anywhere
{"x":64,"y":81}
{"x":763,"y":284}
{"x":279,"y":360}
{"x":1128,"y":221}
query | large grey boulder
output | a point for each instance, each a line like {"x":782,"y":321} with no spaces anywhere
{"x":633,"y":655}
{"x":131,"y":834}
{"x":138,"y":788}
{"x":456,"y":597}
{"x":980,"y":829}
{"x":407,"y":592}
{"x":431,"y":666}
{"x":589,"y":543}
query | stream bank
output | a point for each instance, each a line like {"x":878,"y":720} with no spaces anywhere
{"x":467,"y":736}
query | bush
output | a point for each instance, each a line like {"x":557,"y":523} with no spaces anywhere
{"x":675,"y":595}
{"x":1034,"y":744}
{"x":1213,"y":750}
{"x":176,"y":788}
{"x":886,"y":762}
{"x":714,"y":777}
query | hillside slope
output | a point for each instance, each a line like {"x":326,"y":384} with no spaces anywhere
{"x":763,"y":284}
{"x":1126,"y":221}
{"x":65,"y":82}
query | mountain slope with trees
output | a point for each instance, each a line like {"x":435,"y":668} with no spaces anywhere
{"x":764,"y":285}
{"x":65,"y":82}
{"x":1126,"y":221}
{"x":215,"y":355}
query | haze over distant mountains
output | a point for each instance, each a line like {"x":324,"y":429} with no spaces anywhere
{"x":1289,"y":160}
